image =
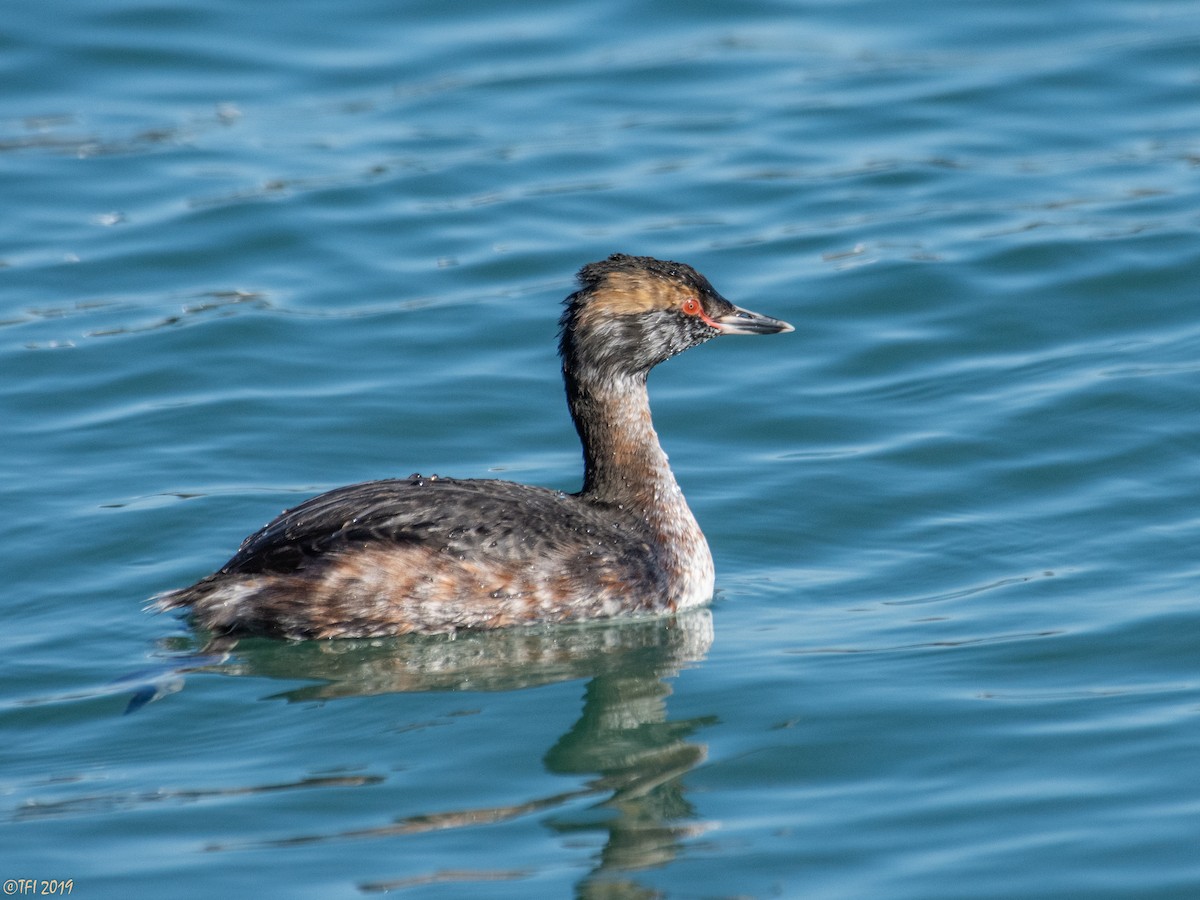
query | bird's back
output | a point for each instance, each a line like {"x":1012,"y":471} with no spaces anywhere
{"x":431,"y":554}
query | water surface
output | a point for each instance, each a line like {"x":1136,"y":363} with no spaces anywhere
{"x":248,"y":254}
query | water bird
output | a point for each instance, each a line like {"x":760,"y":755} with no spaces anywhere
{"x":431,"y":555}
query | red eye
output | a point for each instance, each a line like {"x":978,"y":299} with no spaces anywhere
{"x":691,"y":307}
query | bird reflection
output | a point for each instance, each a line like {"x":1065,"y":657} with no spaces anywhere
{"x":631,"y":755}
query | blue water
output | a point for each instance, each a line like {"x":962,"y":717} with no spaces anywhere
{"x":249,"y":252}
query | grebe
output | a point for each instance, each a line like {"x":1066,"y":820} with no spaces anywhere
{"x":431,"y":554}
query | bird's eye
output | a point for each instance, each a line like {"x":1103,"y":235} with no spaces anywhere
{"x":691,"y":307}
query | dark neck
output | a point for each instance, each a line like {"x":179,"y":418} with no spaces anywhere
{"x":625,"y":466}
{"x":623,"y":462}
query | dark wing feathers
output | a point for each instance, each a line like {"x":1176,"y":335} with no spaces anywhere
{"x":466,"y":517}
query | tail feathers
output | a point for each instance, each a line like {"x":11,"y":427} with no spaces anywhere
{"x":204,"y":592}
{"x":168,"y":600}
{"x":218,"y":606}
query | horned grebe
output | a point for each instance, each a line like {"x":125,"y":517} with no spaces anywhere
{"x":431,"y":554}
